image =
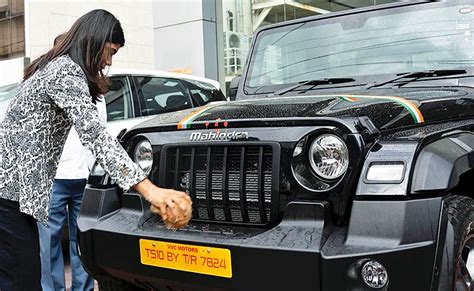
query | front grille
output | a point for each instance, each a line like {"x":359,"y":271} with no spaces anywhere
{"x":228,"y":183}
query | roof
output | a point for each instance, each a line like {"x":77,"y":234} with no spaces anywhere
{"x":156,"y":73}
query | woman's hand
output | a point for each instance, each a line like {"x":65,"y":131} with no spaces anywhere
{"x":174,"y":207}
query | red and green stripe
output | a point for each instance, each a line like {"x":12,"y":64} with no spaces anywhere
{"x":187,"y":121}
{"x":408,"y":105}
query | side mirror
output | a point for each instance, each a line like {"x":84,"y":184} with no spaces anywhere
{"x":234,"y":85}
{"x":121,"y":134}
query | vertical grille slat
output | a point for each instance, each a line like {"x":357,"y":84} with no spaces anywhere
{"x":208,"y":189}
{"x":192,"y":181}
{"x":228,"y":183}
{"x":225,"y":185}
{"x":176,"y":169}
{"x":242,"y":184}
{"x":260,"y":191}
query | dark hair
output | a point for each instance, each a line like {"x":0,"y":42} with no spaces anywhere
{"x":58,"y":38}
{"x":84,"y":43}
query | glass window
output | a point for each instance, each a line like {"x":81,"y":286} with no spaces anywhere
{"x":433,"y":36}
{"x":118,"y":100}
{"x":203,"y":93}
{"x":242,"y":18}
{"x":160,"y":95}
{"x":12,"y":29}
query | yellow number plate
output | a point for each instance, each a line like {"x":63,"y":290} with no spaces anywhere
{"x":189,"y":258}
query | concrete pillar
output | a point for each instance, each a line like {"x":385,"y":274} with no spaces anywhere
{"x":186,"y":35}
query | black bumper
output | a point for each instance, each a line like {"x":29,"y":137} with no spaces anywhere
{"x":303,"y":252}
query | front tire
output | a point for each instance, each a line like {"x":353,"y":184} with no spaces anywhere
{"x":461,"y":217}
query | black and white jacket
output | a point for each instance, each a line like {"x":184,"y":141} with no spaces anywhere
{"x":34,"y":131}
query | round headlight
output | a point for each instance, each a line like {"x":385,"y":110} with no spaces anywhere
{"x":328,"y":156}
{"x":144,"y":156}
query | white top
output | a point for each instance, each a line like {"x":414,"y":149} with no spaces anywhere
{"x":76,"y":161}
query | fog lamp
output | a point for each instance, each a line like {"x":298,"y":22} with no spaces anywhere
{"x":374,"y":274}
{"x":328,"y":156}
{"x":144,"y":156}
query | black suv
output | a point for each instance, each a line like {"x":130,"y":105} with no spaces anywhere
{"x":346,"y":163}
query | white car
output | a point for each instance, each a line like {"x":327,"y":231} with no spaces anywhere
{"x":6,"y":94}
{"x":136,"y":95}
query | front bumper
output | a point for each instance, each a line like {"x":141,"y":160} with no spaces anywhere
{"x":303,"y":252}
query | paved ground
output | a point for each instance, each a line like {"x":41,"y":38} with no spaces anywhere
{"x":67,"y":265}
{"x":67,"y":270}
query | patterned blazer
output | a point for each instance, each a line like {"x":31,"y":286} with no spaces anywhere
{"x":34,"y":131}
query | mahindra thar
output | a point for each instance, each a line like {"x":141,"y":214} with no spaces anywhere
{"x":345,"y":162}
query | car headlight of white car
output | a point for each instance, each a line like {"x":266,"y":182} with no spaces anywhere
{"x":143,"y":155}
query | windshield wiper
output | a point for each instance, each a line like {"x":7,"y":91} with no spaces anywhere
{"x":314,"y":83}
{"x":417,"y":75}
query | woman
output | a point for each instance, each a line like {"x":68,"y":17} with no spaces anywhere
{"x":59,"y":90}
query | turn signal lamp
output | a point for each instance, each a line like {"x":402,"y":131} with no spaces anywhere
{"x":385,"y":172}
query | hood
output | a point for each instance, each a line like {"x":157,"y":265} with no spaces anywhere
{"x":407,"y":108}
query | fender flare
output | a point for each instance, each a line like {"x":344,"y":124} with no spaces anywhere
{"x":442,"y":270}
{"x":441,"y":163}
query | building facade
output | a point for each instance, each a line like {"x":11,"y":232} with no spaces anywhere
{"x":34,"y":25}
{"x":12,"y":39}
{"x":208,"y":38}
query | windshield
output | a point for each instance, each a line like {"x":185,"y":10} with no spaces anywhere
{"x":423,"y":37}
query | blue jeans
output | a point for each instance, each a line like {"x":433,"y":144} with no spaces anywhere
{"x":65,"y":193}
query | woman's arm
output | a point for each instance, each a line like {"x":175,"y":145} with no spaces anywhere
{"x":69,"y":91}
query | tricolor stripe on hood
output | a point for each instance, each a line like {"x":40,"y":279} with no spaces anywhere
{"x":186,"y":122}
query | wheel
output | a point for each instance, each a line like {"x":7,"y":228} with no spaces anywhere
{"x":114,"y":284}
{"x":461,"y":217}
